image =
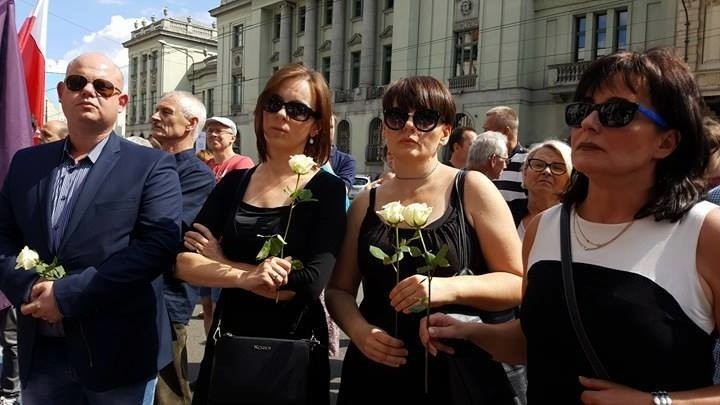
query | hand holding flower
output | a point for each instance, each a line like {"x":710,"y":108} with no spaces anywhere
{"x":42,"y":302}
{"x":29,"y":259}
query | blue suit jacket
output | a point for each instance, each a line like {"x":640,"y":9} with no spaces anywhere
{"x":122,"y":233}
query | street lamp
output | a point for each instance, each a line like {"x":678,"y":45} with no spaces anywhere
{"x":186,"y":52}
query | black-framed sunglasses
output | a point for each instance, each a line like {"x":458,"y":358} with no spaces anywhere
{"x":294,"y":109}
{"x":424,"y":120}
{"x":103,"y":87}
{"x":613,"y":114}
{"x":539,"y":165}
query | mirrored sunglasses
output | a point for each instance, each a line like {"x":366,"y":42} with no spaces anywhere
{"x":103,"y":87}
{"x":613,"y":114}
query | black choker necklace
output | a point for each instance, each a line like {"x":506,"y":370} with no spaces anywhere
{"x":423,"y":177}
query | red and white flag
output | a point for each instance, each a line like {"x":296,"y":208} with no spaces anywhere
{"x":32,"y":41}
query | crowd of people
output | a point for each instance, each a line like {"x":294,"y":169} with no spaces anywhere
{"x":578,"y":270}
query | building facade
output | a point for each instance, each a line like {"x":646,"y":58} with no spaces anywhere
{"x":166,"y":55}
{"x":526,"y":54}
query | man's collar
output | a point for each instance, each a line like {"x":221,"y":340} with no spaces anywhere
{"x":94,"y":153}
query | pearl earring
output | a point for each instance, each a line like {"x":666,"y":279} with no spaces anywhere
{"x":312,"y":140}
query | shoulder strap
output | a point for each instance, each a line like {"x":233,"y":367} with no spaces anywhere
{"x":571,"y":299}
{"x":463,"y":248}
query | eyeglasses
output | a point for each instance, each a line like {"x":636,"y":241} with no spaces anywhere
{"x":540,"y":165}
{"x":103,"y":87}
{"x":613,"y":114}
{"x":294,"y":109}
{"x":424,"y":120}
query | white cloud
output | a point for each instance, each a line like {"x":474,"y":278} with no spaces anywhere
{"x":107,"y":40}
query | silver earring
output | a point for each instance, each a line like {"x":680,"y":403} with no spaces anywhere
{"x":312,"y":140}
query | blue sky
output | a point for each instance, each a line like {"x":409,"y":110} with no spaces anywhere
{"x":77,"y":26}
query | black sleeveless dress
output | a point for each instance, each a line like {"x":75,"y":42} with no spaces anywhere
{"x":364,"y":380}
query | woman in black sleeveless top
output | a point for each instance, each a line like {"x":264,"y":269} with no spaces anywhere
{"x":384,"y":364}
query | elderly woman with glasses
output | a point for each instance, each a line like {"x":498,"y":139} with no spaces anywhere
{"x":642,"y":258}
{"x":385,"y":361}
{"x":546,"y":177}
{"x":270,"y":297}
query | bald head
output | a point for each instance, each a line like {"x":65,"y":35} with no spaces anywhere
{"x":101,"y":64}
{"x":91,"y":113}
{"x":53,"y":130}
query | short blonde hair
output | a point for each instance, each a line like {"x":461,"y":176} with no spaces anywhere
{"x":558,"y":146}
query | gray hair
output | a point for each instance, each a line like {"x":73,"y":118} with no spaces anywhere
{"x":558,"y":146}
{"x":191,"y":107}
{"x":484,"y":146}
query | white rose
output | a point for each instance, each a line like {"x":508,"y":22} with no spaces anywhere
{"x":301,"y":164}
{"x":416,"y":214}
{"x":392,"y":213}
{"x":27,"y":259}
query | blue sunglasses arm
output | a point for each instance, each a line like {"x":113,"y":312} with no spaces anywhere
{"x":654,"y":117}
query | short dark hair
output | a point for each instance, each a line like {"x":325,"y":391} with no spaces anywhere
{"x":319,"y":150}
{"x":421,"y":92}
{"x":457,"y":136}
{"x":675,"y":95}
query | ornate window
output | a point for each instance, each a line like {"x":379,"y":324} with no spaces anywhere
{"x":342,"y":136}
{"x":373,"y":153}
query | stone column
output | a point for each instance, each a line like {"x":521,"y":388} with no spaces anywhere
{"x":285,"y":33}
{"x":368,"y":49}
{"x":337,"y":55}
{"x":311,"y":32}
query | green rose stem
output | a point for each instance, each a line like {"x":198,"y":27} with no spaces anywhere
{"x":427,"y":311}
{"x":287,"y":229}
{"x":396,"y":266}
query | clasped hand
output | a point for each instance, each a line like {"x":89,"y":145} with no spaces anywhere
{"x":42,"y":303}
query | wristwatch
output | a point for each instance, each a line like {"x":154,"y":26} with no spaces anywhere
{"x":661,"y":398}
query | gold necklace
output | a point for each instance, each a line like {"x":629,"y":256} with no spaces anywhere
{"x":590,"y":245}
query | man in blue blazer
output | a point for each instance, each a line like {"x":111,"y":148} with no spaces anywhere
{"x":109,"y":211}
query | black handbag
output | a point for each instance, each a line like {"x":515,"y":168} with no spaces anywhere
{"x":260,"y":370}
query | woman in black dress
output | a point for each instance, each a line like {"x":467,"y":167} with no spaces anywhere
{"x":644,"y":249}
{"x":292,"y":117}
{"x":383,"y":364}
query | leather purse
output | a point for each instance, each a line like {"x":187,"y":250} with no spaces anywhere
{"x":260,"y":370}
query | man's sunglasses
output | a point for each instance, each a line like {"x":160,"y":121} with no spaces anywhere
{"x":613,"y":114}
{"x":424,"y":120}
{"x":294,"y":109}
{"x":103,"y":87}
{"x":539,"y":165}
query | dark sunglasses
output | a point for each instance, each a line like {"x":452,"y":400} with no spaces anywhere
{"x":294,"y":109}
{"x":103,"y":87}
{"x":613,"y":114}
{"x":424,"y":120}
{"x":540,"y":165}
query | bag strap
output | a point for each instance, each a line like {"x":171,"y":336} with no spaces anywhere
{"x":571,"y":299}
{"x":463,"y":246}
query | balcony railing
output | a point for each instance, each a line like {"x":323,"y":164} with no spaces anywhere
{"x":373,"y":153}
{"x":342,"y":96}
{"x":375,"y":92}
{"x":568,"y":73}
{"x":462,"y":82}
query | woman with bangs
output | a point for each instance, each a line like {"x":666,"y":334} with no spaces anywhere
{"x":643,"y":251}
{"x":386,"y":364}
{"x":268,"y":298}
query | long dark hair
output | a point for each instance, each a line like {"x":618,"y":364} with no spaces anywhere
{"x":676,"y":97}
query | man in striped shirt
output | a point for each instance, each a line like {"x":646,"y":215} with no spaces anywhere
{"x":505,"y":120}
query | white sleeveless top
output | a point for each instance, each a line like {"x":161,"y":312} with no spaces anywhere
{"x":662,"y":252}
